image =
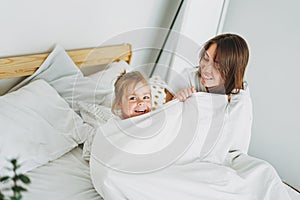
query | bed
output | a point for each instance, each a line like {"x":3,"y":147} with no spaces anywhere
{"x":60,"y":110}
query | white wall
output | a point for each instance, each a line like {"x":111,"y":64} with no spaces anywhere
{"x":35,"y":26}
{"x":272,"y":29}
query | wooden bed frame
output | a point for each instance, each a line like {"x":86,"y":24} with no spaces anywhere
{"x":17,"y":66}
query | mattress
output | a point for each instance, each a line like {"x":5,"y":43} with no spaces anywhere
{"x":65,"y":178}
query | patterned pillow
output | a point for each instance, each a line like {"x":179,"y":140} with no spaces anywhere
{"x":158,"y":91}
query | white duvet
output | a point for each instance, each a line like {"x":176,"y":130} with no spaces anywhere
{"x":191,"y":150}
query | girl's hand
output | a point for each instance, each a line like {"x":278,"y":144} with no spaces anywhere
{"x":185,"y":93}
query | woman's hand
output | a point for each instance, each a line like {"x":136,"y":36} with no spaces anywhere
{"x":185,"y":93}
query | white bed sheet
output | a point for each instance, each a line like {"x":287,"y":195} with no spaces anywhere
{"x":69,"y":178}
{"x":65,"y":178}
{"x":214,"y":174}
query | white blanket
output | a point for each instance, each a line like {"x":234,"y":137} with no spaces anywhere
{"x":181,"y":151}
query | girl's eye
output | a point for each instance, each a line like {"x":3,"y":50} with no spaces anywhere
{"x":132,"y":98}
{"x":146,"y":97}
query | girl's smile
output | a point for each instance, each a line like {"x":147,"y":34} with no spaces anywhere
{"x":137,"y":102}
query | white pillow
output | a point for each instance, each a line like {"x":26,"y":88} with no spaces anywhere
{"x":62,"y":74}
{"x":105,"y":79}
{"x":37,"y":126}
{"x":95,"y":115}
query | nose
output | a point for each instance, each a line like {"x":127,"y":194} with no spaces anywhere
{"x":141,"y":102}
{"x":206,"y":69}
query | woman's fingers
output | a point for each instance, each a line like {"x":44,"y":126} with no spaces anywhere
{"x":193,"y":90}
{"x":185,"y":93}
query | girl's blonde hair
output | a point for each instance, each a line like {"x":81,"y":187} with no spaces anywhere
{"x":122,"y":84}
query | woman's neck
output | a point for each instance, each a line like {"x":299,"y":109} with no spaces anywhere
{"x":220,"y":89}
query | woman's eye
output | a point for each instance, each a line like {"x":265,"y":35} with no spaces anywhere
{"x":205,"y":59}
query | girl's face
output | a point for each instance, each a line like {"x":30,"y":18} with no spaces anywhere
{"x":210,"y":75}
{"x":137,"y":101}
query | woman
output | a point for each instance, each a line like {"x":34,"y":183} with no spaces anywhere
{"x":223,"y":61}
{"x":222,"y":65}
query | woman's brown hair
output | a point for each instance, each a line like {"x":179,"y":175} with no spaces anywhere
{"x":231,"y":56}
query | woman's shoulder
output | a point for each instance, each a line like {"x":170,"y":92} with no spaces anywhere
{"x":242,"y":95}
{"x":192,"y":71}
{"x":188,"y":77}
{"x":191,"y":74}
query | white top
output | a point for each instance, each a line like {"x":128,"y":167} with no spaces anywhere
{"x":187,"y":78}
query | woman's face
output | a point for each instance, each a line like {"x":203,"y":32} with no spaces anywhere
{"x":137,"y":102}
{"x":210,"y":75}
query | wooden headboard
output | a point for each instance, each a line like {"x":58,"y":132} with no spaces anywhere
{"x":17,"y":66}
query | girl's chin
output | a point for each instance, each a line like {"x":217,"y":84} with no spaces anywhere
{"x":139,"y":113}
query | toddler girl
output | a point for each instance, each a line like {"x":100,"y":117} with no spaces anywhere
{"x":132,"y":95}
